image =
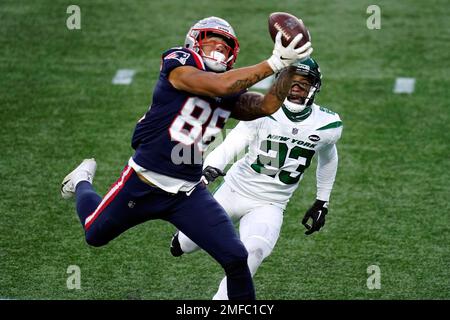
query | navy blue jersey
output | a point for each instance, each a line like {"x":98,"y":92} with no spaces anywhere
{"x":172,"y":136}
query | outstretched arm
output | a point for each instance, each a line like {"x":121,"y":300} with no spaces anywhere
{"x":212,"y":84}
{"x":253,"y":105}
{"x":193,"y":80}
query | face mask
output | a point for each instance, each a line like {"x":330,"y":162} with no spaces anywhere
{"x":294,"y":107}
{"x":215,"y":61}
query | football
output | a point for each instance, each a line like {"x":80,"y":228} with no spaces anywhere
{"x":290,"y":26}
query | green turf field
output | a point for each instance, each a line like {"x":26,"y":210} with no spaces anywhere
{"x":390,"y":205}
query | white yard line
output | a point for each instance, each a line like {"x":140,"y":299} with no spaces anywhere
{"x":404,"y":85}
{"x":124,"y":76}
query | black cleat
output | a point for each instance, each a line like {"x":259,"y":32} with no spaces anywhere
{"x":175,"y":248}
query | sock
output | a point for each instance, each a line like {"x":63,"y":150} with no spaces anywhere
{"x":222,"y":293}
{"x":87,"y":200}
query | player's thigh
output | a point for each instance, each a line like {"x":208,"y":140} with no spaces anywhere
{"x":261,"y":227}
{"x":223,"y":196}
{"x":201,"y":218}
{"x":127,"y":204}
{"x":234,"y":203}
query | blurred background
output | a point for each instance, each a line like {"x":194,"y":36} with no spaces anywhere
{"x":390,"y":204}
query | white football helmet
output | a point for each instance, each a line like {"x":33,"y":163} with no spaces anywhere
{"x":216,"y":61}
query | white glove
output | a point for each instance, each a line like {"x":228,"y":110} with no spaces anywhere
{"x":283,"y":57}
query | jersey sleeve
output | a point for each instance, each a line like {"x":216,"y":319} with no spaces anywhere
{"x":335,"y":135}
{"x":337,"y":131}
{"x":327,"y":163}
{"x":331,"y":127}
{"x":235,"y":142}
{"x":326,"y":171}
{"x":178,"y":57}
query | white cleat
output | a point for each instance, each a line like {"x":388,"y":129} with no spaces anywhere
{"x":84,"y":172}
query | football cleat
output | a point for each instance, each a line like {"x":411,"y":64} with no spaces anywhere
{"x":84,"y":172}
{"x":175,"y":248}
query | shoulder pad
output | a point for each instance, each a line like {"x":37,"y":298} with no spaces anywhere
{"x":179,"y":56}
{"x":328,"y":119}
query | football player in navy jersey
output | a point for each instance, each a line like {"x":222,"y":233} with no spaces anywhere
{"x":196,"y":92}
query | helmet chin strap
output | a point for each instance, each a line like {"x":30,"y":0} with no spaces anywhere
{"x":215,"y":61}
{"x":298,"y":107}
{"x":294,"y":107}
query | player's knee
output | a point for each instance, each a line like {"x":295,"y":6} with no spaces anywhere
{"x":236,"y":268}
{"x":240,"y":253}
{"x":235,"y":256}
{"x":94,"y":241}
{"x":257,"y":248}
{"x":256,"y":253}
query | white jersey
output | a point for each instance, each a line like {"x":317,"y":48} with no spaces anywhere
{"x":280,"y":150}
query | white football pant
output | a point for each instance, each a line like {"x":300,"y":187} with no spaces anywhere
{"x":259,"y":229}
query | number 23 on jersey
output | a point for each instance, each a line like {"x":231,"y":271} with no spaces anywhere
{"x":276,"y":161}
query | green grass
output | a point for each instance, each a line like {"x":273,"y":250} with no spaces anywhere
{"x":390,"y":202}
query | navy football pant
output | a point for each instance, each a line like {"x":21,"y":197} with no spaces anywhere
{"x":130,"y":202}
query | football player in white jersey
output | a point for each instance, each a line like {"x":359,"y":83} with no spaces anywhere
{"x":258,"y":187}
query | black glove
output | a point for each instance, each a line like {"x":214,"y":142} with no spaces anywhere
{"x":317,"y":213}
{"x":210,"y":174}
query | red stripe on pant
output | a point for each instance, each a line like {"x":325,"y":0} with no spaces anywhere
{"x":112,"y":193}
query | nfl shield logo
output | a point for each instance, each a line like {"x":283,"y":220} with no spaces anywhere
{"x":294,"y":130}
